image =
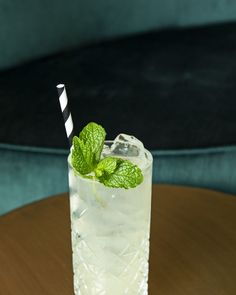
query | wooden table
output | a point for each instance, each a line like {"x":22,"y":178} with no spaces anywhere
{"x":193,"y":245}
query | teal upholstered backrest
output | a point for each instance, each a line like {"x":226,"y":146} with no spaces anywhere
{"x":25,"y":181}
{"x":30,"y":29}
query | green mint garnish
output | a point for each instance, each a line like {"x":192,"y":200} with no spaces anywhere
{"x":87,"y":148}
{"x":93,"y":135}
{"x":106,"y":166}
{"x":111,"y":171}
{"x":116,"y":172}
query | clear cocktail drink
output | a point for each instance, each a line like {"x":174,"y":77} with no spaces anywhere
{"x":111,"y":227}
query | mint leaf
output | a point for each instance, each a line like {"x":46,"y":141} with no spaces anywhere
{"x":111,"y":171}
{"x":118,"y":173}
{"x":93,"y":135}
{"x":87,"y":148}
{"x":80,"y":157}
{"x":106,"y":166}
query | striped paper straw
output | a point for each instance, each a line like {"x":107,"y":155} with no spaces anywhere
{"x":65,"y":112}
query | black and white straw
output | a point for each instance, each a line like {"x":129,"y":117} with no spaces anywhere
{"x":65,"y":112}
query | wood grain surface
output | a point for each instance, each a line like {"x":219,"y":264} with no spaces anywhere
{"x":193,"y":245}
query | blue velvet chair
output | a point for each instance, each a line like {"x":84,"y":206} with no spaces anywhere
{"x":172,"y":88}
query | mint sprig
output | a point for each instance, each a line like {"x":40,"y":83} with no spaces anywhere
{"x":87,"y":148}
{"x":93,"y":136}
{"x":116,"y":172}
{"x":111,"y":171}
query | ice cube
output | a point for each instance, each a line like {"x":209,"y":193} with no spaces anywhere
{"x":131,"y":148}
{"x":106,"y":151}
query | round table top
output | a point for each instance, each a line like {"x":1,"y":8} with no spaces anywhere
{"x":193,"y":245}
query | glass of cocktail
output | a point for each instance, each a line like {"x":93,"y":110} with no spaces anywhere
{"x":110,"y":224}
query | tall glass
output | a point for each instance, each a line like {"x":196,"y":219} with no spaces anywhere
{"x":110,"y":230}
